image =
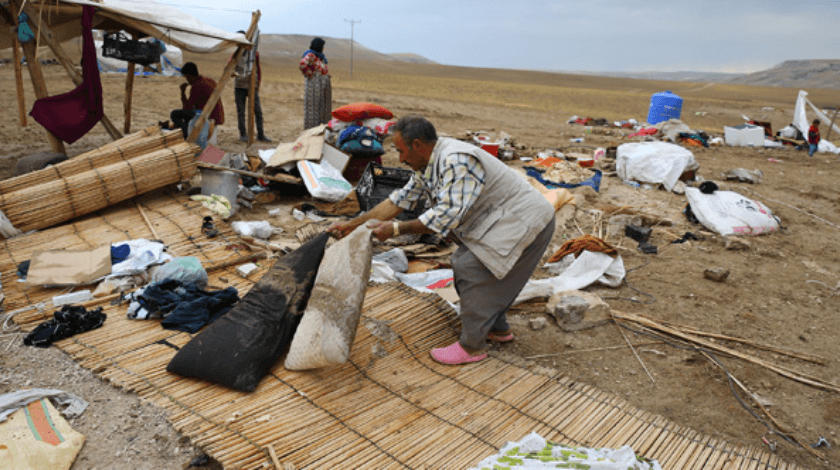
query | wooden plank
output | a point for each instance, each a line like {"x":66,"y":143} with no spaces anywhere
{"x":278,"y":177}
{"x":220,"y":86}
{"x":21,"y":99}
{"x":129,"y":91}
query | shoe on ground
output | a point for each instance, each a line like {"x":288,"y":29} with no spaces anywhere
{"x":243,"y":138}
{"x":455,"y":354}
{"x":264,"y":138}
{"x":208,"y":228}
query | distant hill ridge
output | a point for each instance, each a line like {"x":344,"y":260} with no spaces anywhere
{"x":803,"y":74}
{"x":288,"y":45}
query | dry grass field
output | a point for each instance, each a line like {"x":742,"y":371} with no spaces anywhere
{"x":766,"y":299}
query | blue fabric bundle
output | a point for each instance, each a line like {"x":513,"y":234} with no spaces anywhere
{"x":594,"y":182}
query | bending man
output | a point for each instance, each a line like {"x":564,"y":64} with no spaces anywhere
{"x":200,"y":91}
{"x":502,"y":225}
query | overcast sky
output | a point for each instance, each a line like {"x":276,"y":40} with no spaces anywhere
{"x":585,"y":35}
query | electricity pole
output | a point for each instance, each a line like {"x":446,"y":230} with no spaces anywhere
{"x":352,"y":22}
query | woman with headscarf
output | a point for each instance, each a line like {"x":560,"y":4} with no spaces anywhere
{"x":317,"y":101}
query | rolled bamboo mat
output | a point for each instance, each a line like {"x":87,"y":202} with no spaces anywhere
{"x":128,"y":147}
{"x":66,"y":198}
{"x":391,"y":406}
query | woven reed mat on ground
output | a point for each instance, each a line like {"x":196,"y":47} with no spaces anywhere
{"x":391,"y":406}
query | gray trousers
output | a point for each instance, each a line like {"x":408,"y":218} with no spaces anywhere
{"x":484,"y":298}
{"x":241,"y":96}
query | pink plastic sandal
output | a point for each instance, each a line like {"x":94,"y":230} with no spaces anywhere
{"x":455,"y":354}
{"x":500,"y":337}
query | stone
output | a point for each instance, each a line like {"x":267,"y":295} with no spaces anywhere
{"x":537,"y":323}
{"x":736,"y":244}
{"x":716,"y":274}
{"x":576,"y":310}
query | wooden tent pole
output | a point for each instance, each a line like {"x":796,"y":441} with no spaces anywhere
{"x":37,"y":77}
{"x":21,"y":99}
{"x":220,"y":86}
{"x":831,"y":126}
{"x":46,"y":33}
{"x":129,"y":91}
{"x":252,"y":87}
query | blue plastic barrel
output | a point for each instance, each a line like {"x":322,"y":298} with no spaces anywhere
{"x":664,"y":106}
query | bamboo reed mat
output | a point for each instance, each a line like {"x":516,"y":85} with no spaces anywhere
{"x":391,"y":406}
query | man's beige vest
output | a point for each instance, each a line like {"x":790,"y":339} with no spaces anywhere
{"x":507,"y":216}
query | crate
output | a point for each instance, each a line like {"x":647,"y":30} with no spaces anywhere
{"x":119,"y":46}
{"x":378,"y":182}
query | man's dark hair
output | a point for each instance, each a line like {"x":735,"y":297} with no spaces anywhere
{"x":189,"y":69}
{"x":317,"y":45}
{"x":415,"y":126}
{"x":816,"y":122}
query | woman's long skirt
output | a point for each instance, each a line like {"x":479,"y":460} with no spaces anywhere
{"x":317,"y":101}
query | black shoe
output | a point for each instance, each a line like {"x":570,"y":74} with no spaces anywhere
{"x":208,"y":228}
{"x":243,"y":138}
{"x":264,"y":138}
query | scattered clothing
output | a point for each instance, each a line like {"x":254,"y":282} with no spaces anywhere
{"x":71,"y":115}
{"x":69,"y":321}
{"x":119,"y":253}
{"x":183,"y":306}
{"x":11,"y":402}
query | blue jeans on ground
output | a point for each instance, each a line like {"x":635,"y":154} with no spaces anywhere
{"x":811,"y":149}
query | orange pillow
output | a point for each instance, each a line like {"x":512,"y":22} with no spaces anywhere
{"x":357,"y":111}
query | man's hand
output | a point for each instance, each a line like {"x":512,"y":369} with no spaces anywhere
{"x":381,"y":230}
{"x":184,"y":87}
{"x":340,"y":230}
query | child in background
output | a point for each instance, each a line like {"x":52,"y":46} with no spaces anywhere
{"x":813,"y":137}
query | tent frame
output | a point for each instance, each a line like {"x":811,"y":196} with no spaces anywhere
{"x":36,"y":74}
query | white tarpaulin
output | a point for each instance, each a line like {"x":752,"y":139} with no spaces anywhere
{"x":800,"y":119}
{"x":158,"y":20}
{"x":654,"y":162}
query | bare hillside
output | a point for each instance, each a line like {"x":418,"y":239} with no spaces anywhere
{"x":796,"y":74}
{"x":293,"y":45}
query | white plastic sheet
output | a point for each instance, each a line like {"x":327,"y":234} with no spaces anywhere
{"x":729,"y":213}
{"x":588,"y":268}
{"x":654,"y":162}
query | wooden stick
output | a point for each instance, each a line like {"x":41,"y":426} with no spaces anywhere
{"x":279,"y":177}
{"x":129,"y":91}
{"x":262,"y":243}
{"x":274,"y":457}
{"x":805,"y":357}
{"x":226,"y":75}
{"x":634,"y":352}
{"x":234,"y":262}
{"x":37,"y":76}
{"x":605,"y":348}
{"x":21,"y":99}
{"x":783,"y":371}
{"x":148,"y":222}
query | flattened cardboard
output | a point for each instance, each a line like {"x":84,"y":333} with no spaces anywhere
{"x":308,"y":146}
{"x":68,"y":267}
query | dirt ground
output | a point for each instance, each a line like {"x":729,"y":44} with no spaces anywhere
{"x":767,"y":297}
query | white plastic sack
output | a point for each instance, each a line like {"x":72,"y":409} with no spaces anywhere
{"x":589,"y":268}
{"x":143,"y":253}
{"x":257,"y":228}
{"x":729,"y":213}
{"x":826,"y":146}
{"x":654,"y":162}
{"x":745,"y":135}
{"x":534,"y":452}
{"x":328,"y":327}
{"x":323,"y":181}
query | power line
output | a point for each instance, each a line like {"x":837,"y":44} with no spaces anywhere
{"x":352,"y":23}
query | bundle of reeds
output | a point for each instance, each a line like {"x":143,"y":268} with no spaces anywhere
{"x":128,"y":147}
{"x":65,"y":198}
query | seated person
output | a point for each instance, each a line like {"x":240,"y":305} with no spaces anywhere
{"x":200,"y":91}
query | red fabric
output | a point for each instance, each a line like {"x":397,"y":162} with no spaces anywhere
{"x":71,"y":115}
{"x":357,"y":111}
{"x":814,"y":135}
{"x":641,"y":132}
{"x":200,"y":92}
